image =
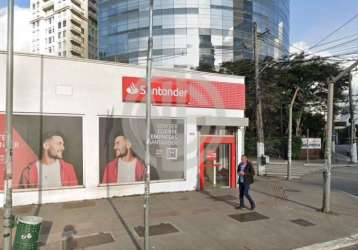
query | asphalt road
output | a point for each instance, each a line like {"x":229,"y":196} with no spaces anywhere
{"x":343,"y":179}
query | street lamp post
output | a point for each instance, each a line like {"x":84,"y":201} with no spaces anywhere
{"x":326,"y":203}
{"x":8,"y":217}
{"x":289,"y":165}
{"x":148,"y":120}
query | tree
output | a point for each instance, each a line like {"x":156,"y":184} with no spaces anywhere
{"x":279,"y":81}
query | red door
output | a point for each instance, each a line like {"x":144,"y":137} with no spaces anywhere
{"x":217,"y":161}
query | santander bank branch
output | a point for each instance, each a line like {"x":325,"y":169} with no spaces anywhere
{"x":79,"y":129}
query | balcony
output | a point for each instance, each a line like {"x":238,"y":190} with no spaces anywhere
{"x":48,"y":5}
{"x":77,"y":10}
{"x":76,"y":39}
{"x":76,"y":19}
{"x":76,"y":29}
{"x":92,"y":4}
{"x":77,"y":3}
{"x":92,"y":15}
{"x":76,"y":49}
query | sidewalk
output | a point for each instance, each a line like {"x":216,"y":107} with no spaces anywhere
{"x":278,"y":167}
{"x":203,"y":220}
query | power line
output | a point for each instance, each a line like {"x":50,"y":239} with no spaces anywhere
{"x":338,"y":45}
{"x":337,"y":40}
{"x":333,"y":32}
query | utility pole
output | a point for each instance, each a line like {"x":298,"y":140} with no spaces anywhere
{"x":148,"y":120}
{"x":259,"y":123}
{"x":326,"y":206}
{"x":8,"y":217}
{"x":353,"y":133}
{"x":289,"y":154}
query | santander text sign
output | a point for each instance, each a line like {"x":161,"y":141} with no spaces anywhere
{"x":185,"y":92}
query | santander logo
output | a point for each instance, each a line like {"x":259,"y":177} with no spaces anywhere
{"x":132,"y":89}
{"x":156,"y":91}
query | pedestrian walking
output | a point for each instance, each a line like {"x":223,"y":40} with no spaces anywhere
{"x":245,"y":173}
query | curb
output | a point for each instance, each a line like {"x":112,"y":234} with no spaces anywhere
{"x":334,"y":244}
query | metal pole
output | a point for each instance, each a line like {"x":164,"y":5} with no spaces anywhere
{"x":8,"y":217}
{"x":148,"y":120}
{"x":327,"y":173}
{"x":289,"y":151}
{"x":352,"y":133}
{"x":259,"y":123}
{"x":307,"y":147}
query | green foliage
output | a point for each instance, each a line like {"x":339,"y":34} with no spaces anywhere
{"x":296,"y":147}
{"x":205,"y":67}
{"x":314,"y":123}
{"x":279,"y":80}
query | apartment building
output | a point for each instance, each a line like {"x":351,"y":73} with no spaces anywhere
{"x":64,"y":28}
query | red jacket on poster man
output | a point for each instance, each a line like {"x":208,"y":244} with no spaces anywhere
{"x":122,"y":150}
{"x":30,"y":176}
{"x":111,"y":172}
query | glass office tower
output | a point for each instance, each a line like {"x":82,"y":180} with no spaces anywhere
{"x":189,"y":32}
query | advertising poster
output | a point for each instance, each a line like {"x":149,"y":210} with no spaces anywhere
{"x":122,"y":149}
{"x":47,"y":151}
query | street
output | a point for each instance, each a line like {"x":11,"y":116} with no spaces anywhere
{"x":343,"y":179}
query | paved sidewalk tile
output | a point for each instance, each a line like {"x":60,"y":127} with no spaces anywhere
{"x":287,"y":216}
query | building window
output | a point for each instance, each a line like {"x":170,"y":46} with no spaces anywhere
{"x":64,"y":23}
{"x":64,"y":33}
{"x":59,"y":25}
{"x":59,"y":34}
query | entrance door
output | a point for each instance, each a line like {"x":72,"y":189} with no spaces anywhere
{"x":217,"y":161}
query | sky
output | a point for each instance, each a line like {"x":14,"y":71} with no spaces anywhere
{"x":312,"y":20}
{"x":20,"y":3}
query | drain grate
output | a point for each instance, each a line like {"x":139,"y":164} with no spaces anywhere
{"x":162,"y":228}
{"x":87,"y":241}
{"x":253,"y":216}
{"x":225,"y":198}
{"x":303,"y":222}
{"x":78,"y":204}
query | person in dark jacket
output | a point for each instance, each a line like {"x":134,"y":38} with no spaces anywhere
{"x":245,"y":173}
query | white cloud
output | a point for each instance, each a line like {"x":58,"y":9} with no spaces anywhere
{"x":302,"y":46}
{"x":298,"y":47}
{"x":22,"y":29}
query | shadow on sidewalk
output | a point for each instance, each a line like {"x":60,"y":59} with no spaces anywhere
{"x":126,"y":227}
{"x":284,"y":197}
{"x":233,"y":200}
{"x":124,"y":224}
{"x":228,"y":199}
